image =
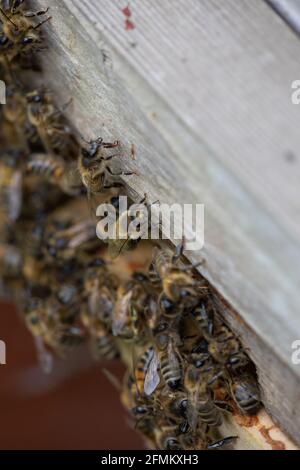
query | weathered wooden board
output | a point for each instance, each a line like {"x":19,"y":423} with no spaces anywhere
{"x":203,"y":91}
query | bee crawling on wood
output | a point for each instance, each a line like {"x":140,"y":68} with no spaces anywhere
{"x":97,"y":175}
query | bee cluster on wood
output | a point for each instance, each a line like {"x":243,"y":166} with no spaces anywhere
{"x":186,"y":370}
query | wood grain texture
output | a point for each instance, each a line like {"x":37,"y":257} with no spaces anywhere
{"x":203,"y":91}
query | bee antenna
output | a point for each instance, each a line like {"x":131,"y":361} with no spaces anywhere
{"x":8,"y":18}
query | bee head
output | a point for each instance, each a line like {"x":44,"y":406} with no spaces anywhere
{"x":91,"y":152}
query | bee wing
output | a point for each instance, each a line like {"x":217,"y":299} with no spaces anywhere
{"x":152,"y":378}
{"x":172,"y":356}
{"x":115,"y":247}
{"x":15,"y":196}
{"x":192,"y":411}
{"x":120,"y":313}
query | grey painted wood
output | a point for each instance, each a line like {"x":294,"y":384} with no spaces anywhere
{"x":203,"y":91}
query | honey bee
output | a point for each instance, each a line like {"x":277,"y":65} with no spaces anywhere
{"x":100,"y":286}
{"x":54,"y":134}
{"x":171,"y":366}
{"x":128,"y":320}
{"x":204,"y":316}
{"x":43,"y":319}
{"x":175,"y":406}
{"x":245,"y":392}
{"x":124,"y":318}
{"x":11,"y":179}
{"x":56,"y":171}
{"x":11,"y":261}
{"x":21,"y":29}
{"x":15,"y":113}
{"x":102,"y":344}
{"x":178,"y":284}
{"x":94,"y":169}
{"x":226,"y":349}
{"x":63,"y":241}
{"x":201,"y":404}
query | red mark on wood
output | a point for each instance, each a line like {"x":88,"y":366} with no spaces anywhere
{"x":129,"y":25}
{"x":276,"y":445}
{"x":127,"y":11}
{"x":246,"y":421}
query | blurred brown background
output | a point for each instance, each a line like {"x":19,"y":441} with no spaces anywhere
{"x":75,"y":407}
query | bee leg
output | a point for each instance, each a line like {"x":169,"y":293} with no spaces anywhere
{"x":106,"y":159}
{"x":122,"y":173}
{"x":179,"y":250}
{"x":111,"y":145}
{"x":222,"y":442}
{"x":189,"y":267}
{"x":31,"y":14}
{"x":57,"y":114}
{"x":40,"y":24}
{"x":114,"y":185}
